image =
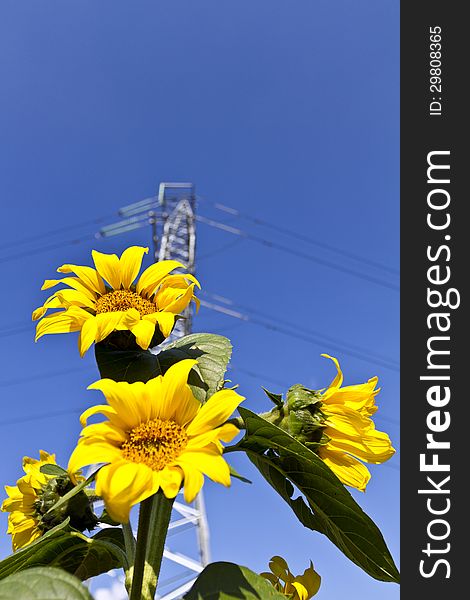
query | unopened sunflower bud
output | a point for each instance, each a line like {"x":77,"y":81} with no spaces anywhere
{"x":77,"y":508}
{"x":300,"y":415}
{"x":31,"y":502}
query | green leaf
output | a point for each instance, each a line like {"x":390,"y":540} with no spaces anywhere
{"x":73,"y":492}
{"x":126,"y":365}
{"x":70,"y":550}
{"x":228,"y":581}
{"x":276,"y":398}
{"x":43,"y":583}
{"x":234,"y":473}
{"x":51,"y":469}
{"x":212,"y":352}
{"x":330,"y":508}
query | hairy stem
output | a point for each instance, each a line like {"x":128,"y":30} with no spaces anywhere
{"x":140,"y":550}
{"x":158,"y":525}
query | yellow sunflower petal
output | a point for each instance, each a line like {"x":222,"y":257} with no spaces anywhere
{"x":74,"y":298}
{"x":346,"y":420}
{"x":73,"y":282}
{"x":193,"y":481}
{"x":91,"y":454}
{"x":107,"y":266}
{"x":130,"y":263}
{"x":88,"y":276}
{"x":175,"y":390}
{"x":349,"y":471}
{"x":143,"y":331}
{"x":122,"y":397}
{"x":214,"y":412}
{"x":338,"y":380}
{"x":106,"y":432}
{"x":62,"y":322}
{"x":169,"y":479}
{"x":153,"y":275}
{"x":372,"y":446}
{"x":208,"y":462}
{"x":225,"y":433}
{"x":51,"y":302}
{"x":178,"y":304}
{"x":122,"y":485}
{"x":164,"y":320}
{"x":106,"y":323}
{"x":87,"y":335}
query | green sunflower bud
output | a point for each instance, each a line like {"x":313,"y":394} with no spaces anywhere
{"x":77,"y":508}
{"x":300,"y":415}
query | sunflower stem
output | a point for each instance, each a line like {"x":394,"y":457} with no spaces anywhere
{"x":136,"y":592}
{"x":158,"y":527}
{"x":129,"y":543}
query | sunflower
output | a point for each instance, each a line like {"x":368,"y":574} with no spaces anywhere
{"x":102,"y":300}
{"x":301,"y":587}
{"x":350,"y":431}
{"x":156,"y":436}
{"x":25,"y":499}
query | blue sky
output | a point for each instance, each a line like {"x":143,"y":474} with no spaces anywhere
{"x":286,"y":111}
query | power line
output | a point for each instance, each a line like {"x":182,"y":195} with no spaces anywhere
{"x":277,"y":319}
{"x":298,"y":253}
{"x":297,"y":236}
{"x":311,"y":339}
{"x":41,"y":416}
{"x":54,"y":232}
{"x":42,"y":249}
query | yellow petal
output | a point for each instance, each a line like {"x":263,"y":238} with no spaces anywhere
{"x":87,"y":335}
{"x":338,"y":380}
{"x":169,"y":479}
{"x":143,"y":331}
{"x":346,"y":420}
{"x":51,"y":302}
{"x":175,"y":391}
{"x":122,"y":485}
{"x":214,"y":412}
{"x":74,"y":298}
{"x":193,"y":481}
{"x":124,"y":398}
{"x":106,"y":323}
{"x":164,"y":320}
{"x":153,"y":275}
{"x":348,"y":470}
{"x":130,"y":263}
{"x":92,"y":454}
{"x":62,"y":322}
{"x":208,"y":462}
{"x":372,"y":447}
{"x":226,"y":433}
{"x":88,"y":276}
{"x":73,"y":282}
{"x":107,"y":266}
{"x":176,"y":305}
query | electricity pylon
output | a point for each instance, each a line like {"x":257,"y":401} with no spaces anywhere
{"x":171,"y":215}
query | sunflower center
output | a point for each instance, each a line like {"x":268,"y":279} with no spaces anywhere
{"x":123,"y":300}
{"x":155,"y":443}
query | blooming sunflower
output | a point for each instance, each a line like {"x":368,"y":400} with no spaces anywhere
{"x":28,"y":501}
{"x":301,"y":587}
{"x":102,"y":300}
{"x":156,"y":436}
{"x":350,"y":431}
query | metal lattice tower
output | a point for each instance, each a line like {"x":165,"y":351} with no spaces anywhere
{"x":171,"y":216}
